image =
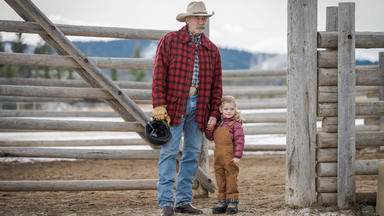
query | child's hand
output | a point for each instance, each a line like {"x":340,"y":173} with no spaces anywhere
{"x":236,"y":161}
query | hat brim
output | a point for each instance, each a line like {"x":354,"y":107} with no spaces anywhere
{"x":182,"y":16}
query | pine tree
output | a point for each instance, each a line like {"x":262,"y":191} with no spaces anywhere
{"x":1,"y":50}
{"x":114,"y":74}
{"x":42,"y":48}
{"x":1,"y":44}
{"x":139,"y":74}
{"x":70,"y":74}
{"x":18,"y":46}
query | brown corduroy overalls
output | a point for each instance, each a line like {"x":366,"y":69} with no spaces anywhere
{"x":226,"y":171}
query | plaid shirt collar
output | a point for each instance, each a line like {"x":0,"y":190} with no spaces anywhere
{"x":185,"y":38}
{"x":195,"y":40}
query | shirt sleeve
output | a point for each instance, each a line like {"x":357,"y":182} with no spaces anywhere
{"x":217,"y":87}
{"x":238,"y":139}
{"x":160,"y":73}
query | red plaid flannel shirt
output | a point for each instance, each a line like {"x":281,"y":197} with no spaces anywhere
{"x":172,"y":77}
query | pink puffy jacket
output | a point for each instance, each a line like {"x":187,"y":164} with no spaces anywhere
{"x":237,"y":134}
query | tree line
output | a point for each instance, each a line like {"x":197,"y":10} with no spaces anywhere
{"x":19,"y":46}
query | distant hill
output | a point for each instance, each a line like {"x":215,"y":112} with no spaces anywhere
{"x":231,"y":58}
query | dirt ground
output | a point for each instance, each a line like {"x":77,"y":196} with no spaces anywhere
{"x":261,"y":186}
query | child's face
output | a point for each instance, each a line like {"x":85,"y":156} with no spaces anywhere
{"x":228,"y":110}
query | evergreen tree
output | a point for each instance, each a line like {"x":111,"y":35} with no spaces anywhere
{"x":59,"y":72}
{"x":7,"y":70}
{"x":18,"y":46}
{"x":42,"y":48}
{"x":1,"y":50}
{"x":1,"y":44}
{"x":114,"y":74}
{"x":70,"y":74}
{"x":139,"y":74}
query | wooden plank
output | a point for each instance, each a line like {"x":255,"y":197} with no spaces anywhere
{"x":331,"y":19}
{"x":363,"y":39}
{"x":263,"y":104}
{"x":272,"y":117}
{"x":253,"y":73}
{"x":361,"y":197}
{"x":329,"y":94}
{"x":368,"y":108}
{"x":329,"y":125}
{"x":326,"y":184}
{"x":77,"y":153}
{"x":275,"y":117}
{"x":79,"y":185}
{"x":265,"y":129}
{"x":363,"y":139}
{"x":39,"y":91}
{"x":363,"y":167}
{"x":65,"y":125}
{"x":326,"y":155}
{"x":68,"y":83}
{"x":365,"y":76}
{"x":301,"y":109}
{"x":89,"y":31}
{"x":381,"y":88}
{"x":71,"y":142}
{"x":137,"y":94}
{"x":256,"y":91}
{"x":346,"y":107}
{"x":68,"y":62}
{"x":7,"y":99}
{"x":327,"y":58}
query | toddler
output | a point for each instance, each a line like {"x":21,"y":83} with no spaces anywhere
{"x":229,"y":145}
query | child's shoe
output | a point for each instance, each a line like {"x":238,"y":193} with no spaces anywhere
{"x":232,"y":208}
{"x":220,"y":208}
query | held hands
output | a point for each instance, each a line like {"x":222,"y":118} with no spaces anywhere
{"x":211,"y":123}
{"x":160,"y":113}
{"x":236,"y":161}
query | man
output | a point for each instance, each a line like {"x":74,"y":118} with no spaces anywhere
{"x":186,"y":93}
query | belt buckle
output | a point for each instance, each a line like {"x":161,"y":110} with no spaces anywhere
{"x":192,"y":91}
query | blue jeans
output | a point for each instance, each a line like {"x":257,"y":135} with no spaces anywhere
{"x":188,"y":165}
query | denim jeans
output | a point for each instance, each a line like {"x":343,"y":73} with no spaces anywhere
{"x":188,"y":165}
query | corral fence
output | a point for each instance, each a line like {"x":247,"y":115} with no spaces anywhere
{"x":97,"y":86}
{"x":321,"y":164}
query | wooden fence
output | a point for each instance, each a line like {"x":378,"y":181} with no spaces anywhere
{"x":42,"y":90}
{"x":337,"y":143}
{"x":321,"y":164}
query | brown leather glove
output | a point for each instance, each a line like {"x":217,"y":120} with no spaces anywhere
{"x":160,"y":113}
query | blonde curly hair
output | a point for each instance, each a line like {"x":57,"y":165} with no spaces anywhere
{"x":231,"y":99}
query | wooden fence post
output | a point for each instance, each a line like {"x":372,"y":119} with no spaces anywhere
{"x":201,"y":192}
{"x":381,"y":88}
{"x":301,"y":109}
{"x":346,"y":106}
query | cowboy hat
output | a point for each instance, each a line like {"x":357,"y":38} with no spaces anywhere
{"x":195,"y":8}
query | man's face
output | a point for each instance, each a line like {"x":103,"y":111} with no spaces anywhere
{"x":196,"y":24}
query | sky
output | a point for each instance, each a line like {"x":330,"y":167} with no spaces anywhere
{"x":251,"y":25}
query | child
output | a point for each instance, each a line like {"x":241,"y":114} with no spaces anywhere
{"x":229,"y":145}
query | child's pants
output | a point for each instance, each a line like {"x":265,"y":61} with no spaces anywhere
{"x":226,"y":171}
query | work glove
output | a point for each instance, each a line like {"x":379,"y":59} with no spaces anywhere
{"x":160,"y":113}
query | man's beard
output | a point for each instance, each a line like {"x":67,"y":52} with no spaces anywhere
{"x":200,"y":27}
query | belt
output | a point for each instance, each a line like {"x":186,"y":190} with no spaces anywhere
{"x":192,"y":91}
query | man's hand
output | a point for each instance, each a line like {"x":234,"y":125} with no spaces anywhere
{"x":211,"y":123}
{"x":160,"y":113}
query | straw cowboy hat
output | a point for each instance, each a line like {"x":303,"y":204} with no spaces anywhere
{"x":195,"y":8}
